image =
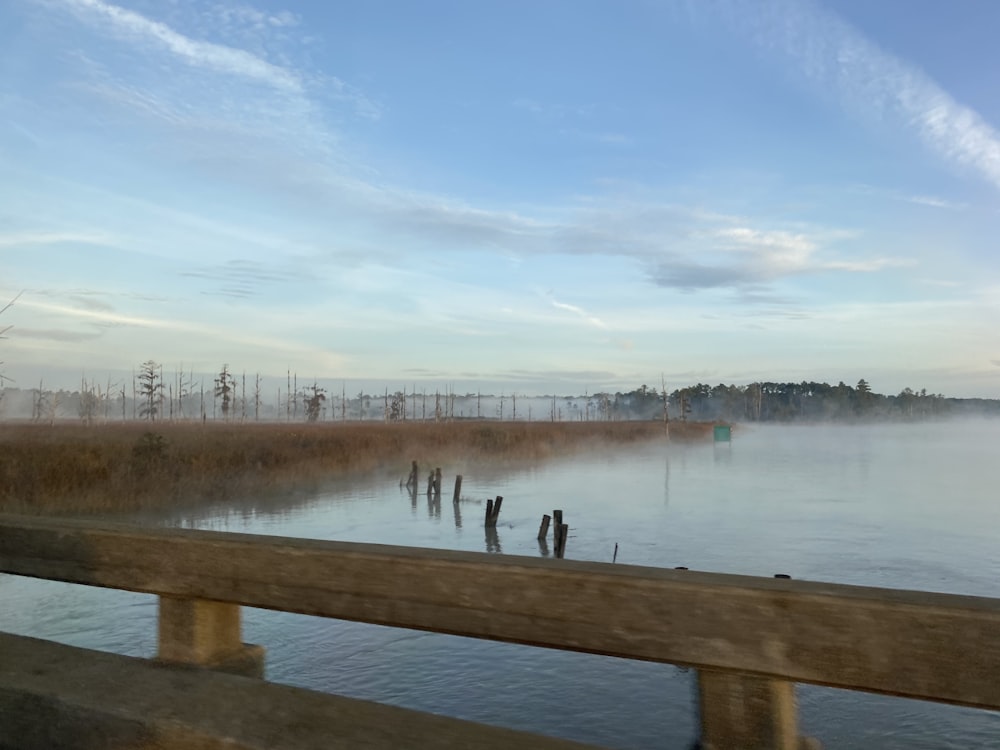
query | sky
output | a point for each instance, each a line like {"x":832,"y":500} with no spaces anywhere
{"x":535,"y":196}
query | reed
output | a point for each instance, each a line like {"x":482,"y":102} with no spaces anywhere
{"x":73,"y":468}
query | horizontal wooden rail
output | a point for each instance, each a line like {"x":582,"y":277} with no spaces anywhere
{"x":56,"y":696}
{"x":937,"y":647}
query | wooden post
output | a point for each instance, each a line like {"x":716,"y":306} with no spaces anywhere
{"x":556,"y":521}
{"x":746,"y":711}
{"x":430,"y":482}
{"x":206,"y":634}
{"x":543,"y":530}
{"x":414,"y":477}
{"x":458,"y":488}
{"x":561,"y":532}
{"x":493,"y":511}
{"x":437,"y":481}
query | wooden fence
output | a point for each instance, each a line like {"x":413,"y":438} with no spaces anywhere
{"x":749,"y":638}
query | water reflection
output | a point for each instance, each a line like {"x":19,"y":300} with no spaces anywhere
{"x":666,"y":479}
{"x":434,"y":506}
{"x":492,"y":540}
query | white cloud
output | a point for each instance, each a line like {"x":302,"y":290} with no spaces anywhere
{"x":931,"y":201}
{"x":837,"y":57}
{"x":591,"y":319}
{"x":22,"y":239}
{"x":218,"y":57}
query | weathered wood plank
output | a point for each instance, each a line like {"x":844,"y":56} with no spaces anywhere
{"x":56,"y":696}
{"x":934,"y":646}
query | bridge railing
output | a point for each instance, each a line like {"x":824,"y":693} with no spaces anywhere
{"x":750,"y":638}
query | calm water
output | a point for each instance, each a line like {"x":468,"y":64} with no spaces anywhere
{"x":896,"y":506}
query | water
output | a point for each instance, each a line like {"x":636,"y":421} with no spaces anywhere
{"x":904,"y":506}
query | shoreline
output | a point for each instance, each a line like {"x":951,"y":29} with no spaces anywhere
{"x":78,"y":469}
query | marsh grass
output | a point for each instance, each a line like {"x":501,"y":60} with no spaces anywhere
{"x":75,"y":469}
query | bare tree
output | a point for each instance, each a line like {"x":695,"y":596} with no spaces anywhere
{"x":39,"y":404}
{"x":89,"y":401}
{"x":256,"y":399}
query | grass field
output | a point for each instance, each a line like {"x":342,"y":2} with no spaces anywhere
{"x":69,"y":468}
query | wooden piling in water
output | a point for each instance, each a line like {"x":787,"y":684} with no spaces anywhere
{"x":430,"y":482}
{"x":458,"y":489}
{"x":556,"y":521}
{"x":493,"y":511}
{"x":437,"y":481}
{"x":414,"y":479}
{"x":543,"y":530}
{"x":562,"y":531}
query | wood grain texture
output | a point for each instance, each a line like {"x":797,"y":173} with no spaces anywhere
{"x":938,"y":647}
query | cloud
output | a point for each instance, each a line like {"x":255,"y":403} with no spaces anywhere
{"x":243,"y":278}
{"x":931,"y":201}
{"x":694,"y":276}
{"x":55,"y":334}
{"x":120,"y":21}
{"x":591,"y":319}
{"x":23,"y":239}
{"x":223,"y":93}
{"x":836,"y":57}
{"x":747,"y":258}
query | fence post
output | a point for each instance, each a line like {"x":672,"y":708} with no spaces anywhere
{"x":207,"y":634}
{"x":748,"y":712}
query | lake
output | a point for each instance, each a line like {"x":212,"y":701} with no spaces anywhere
{"x":901,"y":506}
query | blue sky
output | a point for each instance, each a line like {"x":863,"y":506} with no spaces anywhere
{"x":550,"y":196}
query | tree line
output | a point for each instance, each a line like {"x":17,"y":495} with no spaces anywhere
{"x":230,"y":396}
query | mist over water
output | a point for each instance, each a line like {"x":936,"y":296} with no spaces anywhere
{"x":893,"y":505}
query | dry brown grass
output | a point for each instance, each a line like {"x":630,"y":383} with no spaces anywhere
{"x":78,"y":469}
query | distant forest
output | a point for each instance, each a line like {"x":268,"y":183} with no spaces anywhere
{"x":149,"y":396}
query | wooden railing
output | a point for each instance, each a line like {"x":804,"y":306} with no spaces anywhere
{"x":750,"y":638}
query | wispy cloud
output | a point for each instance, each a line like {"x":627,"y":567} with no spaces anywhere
{"x":23,"y":239}
{"x":254,"y":83}
{"x":837,"y":57}
{"x":244,"y":278}
{"x":579,"y":311}
{"x":218,"y":57}
{"x":931,"y":201}
{"x":57,"y":334}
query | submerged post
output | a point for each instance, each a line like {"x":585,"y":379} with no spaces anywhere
{"x":543,"y":530}
{"x":493,"y":511}
{"x":207,"y":634}
{"x":560,"y":534}
{"x":437,"y":481}
{"x":414,"y":478}
{"x":458,"y":488}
